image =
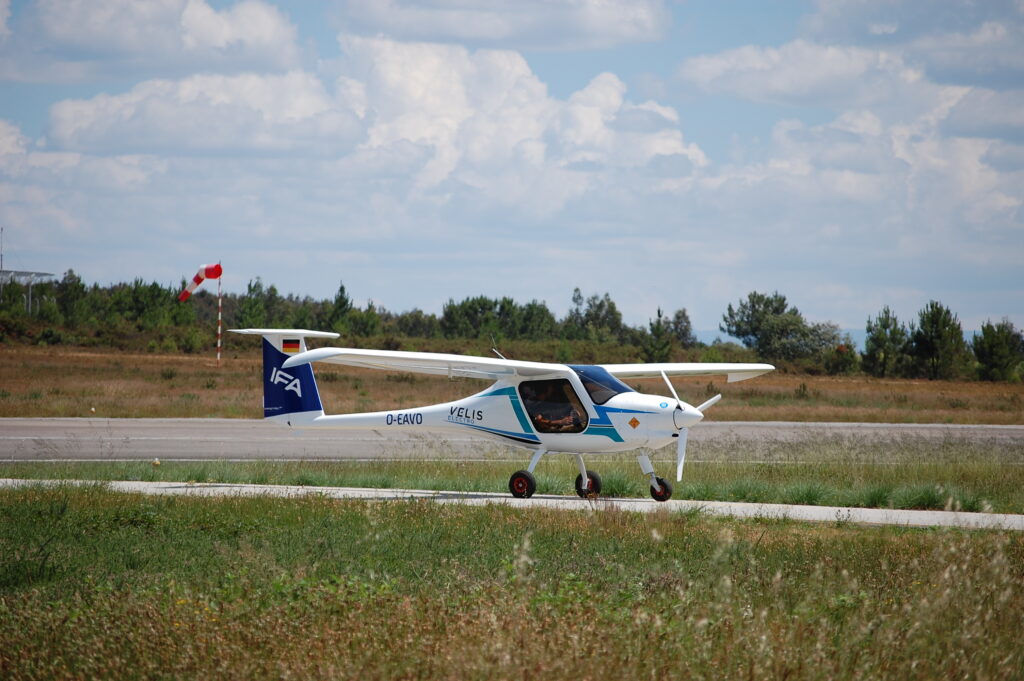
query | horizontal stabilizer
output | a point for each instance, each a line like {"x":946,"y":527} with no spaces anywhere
{"x":286,"y":332}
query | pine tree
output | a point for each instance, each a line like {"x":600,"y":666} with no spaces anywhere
{"x":999,"y":349}
{"x":658,"y":343}
{"x":885,"y":349}
{"x":937,"y":343}
{"x":682,"y":329}
{"x":337,"y":317}
{"x":252,"y":313}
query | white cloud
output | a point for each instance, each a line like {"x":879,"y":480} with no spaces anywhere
{"x":987,"y":113}
{"x":910,"y":162}
{"x":407,"y":124}
{"x":849,"y":21}
{"x":1005,"y":157}
{"x":474,"y":108}
{"x":587,"y":115}
{"x":40,"y":173}
{"x":989,"y":54}
{"x":901,"y":192}
{"x":12,"y":142}
{"x":561,"y":24}
{"x":892,"y":174}
{"x":802,"y":72}
{"x":248,"y":26}
{"x":952,"y":41}
{"x":491,"y":127}
{"x":882,"y":29}
{"x":70,"y":40}
{"x":116,"y":27}
{"x":209,"y":113}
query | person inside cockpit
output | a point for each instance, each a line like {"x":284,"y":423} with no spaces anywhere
{"x":553,"y":406}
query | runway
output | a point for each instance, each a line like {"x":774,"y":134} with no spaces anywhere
{"x":72,"y":439}
{"x":828,"y":514}
{"x":76,"y":439}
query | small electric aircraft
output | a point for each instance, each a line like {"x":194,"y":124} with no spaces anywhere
{"x":570,"y":408}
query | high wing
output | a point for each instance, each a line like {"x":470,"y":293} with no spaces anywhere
{"x":430,"y":363}
{"x":735,"y":372}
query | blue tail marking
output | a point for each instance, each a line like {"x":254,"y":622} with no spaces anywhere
{"x":287,"y":391}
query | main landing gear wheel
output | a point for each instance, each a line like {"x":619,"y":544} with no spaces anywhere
{"x":593,"y":487}
{"x":522,"y":484}
{"x":666,"y":490}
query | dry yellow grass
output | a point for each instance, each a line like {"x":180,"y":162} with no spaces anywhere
{"x":72,"y":382}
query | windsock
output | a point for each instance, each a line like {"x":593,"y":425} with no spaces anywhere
{"x":205,"y":272}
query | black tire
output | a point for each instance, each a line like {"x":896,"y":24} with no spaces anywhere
{"x":666,"y":490}
{"x":522,"y":484}
{"x":594,"y":485}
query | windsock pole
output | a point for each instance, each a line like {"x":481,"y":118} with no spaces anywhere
{"x":220,"y":310}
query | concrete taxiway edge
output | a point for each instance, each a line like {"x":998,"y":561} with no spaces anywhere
{"x":865,"y":516}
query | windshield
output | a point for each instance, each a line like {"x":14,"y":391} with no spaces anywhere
{"x":600,"y":385}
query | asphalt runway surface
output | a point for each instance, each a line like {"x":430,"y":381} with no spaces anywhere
{"x":93,"y":439}
{"x":829,"y":514}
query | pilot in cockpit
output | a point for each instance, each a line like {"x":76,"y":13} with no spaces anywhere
{"x":554,"y":408}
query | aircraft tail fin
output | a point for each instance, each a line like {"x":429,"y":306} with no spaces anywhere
{"x":289,"y":396}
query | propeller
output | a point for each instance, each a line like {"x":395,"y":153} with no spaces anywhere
{"x":681,"y":453}
{"x":683,"y":430}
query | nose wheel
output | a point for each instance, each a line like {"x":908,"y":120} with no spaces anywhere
{"x":663,"y":492}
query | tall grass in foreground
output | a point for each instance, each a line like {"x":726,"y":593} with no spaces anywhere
{"x":95,"y":584}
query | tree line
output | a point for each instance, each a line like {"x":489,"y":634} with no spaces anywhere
{"x":932,"y":346}
{"x":769,"y":328}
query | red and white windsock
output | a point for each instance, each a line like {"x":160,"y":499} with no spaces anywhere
{"x":205,"y":272}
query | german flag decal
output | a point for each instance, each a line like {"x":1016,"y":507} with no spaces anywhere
{"x":290,"y":346}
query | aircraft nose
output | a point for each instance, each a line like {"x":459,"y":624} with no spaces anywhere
{"x":686,"y":416}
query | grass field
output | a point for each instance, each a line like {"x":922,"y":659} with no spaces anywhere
{"x":68,"y":382}
{"x":95,"y":584}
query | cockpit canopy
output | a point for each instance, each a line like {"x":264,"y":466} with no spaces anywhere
{"x":600,"y":385}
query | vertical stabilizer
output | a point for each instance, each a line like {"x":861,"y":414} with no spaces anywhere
{"x":289,"y":395}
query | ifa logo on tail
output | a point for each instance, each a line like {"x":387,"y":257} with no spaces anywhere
{"x":289,"y":382}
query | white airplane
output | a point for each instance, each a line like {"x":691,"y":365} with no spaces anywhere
{"x":569,"y":408}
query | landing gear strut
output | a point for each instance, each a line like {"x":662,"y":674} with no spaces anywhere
{"x":588,"y":483}
{"x":660,"y":489}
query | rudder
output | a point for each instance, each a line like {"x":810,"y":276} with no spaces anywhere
{"x":291,"y":395}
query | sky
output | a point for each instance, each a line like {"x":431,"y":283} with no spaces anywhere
{"x":849,"y":154}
